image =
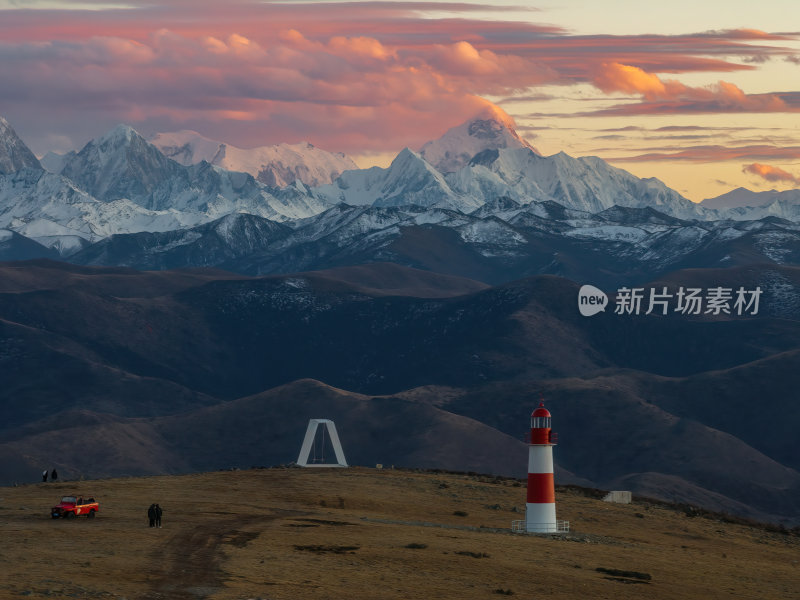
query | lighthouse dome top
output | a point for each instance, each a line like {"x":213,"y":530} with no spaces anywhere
{"x":541,"y":411}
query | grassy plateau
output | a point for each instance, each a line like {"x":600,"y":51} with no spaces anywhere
{"x":288,"y":534}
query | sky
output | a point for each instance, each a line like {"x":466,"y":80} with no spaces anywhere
{"x":702,"y":95}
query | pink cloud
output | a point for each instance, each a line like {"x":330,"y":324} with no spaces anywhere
{"x":615,"y":77}
{"x":184,"y":81}
{"x":770,"y":173}
{"x":719,"y":97}
{"x":346,"y":76}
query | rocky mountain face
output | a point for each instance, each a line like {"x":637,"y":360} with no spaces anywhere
{"x":498,"y":242}
{"x":14,"y":154}
{"x":14,"y":246}
{"x":121,"y":164}
{"x":216,"y":244}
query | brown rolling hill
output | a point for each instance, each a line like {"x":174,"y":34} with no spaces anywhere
{"x":171,"y":372}
{"x":266,"y":429}
{"x":289,"y":534}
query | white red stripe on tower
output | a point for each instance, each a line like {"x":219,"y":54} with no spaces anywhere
{"x":540,"y":508}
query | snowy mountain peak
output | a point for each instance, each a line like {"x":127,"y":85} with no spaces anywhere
{"x":492,"y":129}
{"x":120,"y":134}
{"x":189,"y":147}
{"x":493,"y":112}
{"x":14,"y":154}
{"x":742,"y":204}
{"x":119,"y":164}
{"x":277,"y":166}
{"x":587,"y":184}
{"x":741,"y":198}
{"x":407,"y":158}
{"x":409,"y":180}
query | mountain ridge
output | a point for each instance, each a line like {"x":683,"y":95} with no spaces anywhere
{"x":122,"y":184}
{"x":279,"y":165}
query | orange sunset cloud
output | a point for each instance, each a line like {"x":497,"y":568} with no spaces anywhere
{"x":770,"y":173}
{"x":615,"y":77}
{"x":369,"y":77}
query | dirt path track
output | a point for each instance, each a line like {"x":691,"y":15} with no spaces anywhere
{"x":188,"y":565}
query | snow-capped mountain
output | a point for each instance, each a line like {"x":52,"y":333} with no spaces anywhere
{"x":745,"y":205}
{"x":119,"y":183}
{"x":276,"y":166}
{"x":740,"y":198}
{"x":46,"y":207}
{"x":14,"y":154}
{"x":533,"y":238}
{"x":588,"y":183}
{"x":504,"y":166}
{"x":491,"y":130}
{"x":506,"y":212}
{"x":409,"y":180}
{"x":123,"y":165}
{"x":211,"y":244}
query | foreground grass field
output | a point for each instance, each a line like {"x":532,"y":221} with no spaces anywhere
{"x":372,"y":534}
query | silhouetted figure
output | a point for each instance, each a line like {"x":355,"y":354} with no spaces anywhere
{"x":44,"y":475}
{"x":53,"y":475}
{"x":158,"y":515}
{"x":151,"y":514}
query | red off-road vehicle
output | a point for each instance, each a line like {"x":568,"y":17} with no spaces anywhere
{"x":72,"y":506}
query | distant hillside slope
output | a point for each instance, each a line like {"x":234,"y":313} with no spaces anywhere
{"x":191,"y":370}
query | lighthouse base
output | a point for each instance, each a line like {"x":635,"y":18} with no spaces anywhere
{"x":540,"y":517}
{"x":520,"y":526}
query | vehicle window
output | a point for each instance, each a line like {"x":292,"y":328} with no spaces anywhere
{"x":68,"y":499}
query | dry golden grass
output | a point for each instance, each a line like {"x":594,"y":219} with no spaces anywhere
{"x":351,"y":533}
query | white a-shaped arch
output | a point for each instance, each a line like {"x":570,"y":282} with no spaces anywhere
{"x":308,"y":443}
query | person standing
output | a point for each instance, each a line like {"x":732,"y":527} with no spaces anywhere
{"x":44,"y":475}
{"x":151,"y":515}
{"x":158,"y":516}
{"x":53,"y":475}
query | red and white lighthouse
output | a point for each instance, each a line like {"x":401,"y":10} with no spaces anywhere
{"x":540,"y":508}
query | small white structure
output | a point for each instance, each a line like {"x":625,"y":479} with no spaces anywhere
{"x":309,"y":444}
{"x":620,"y":497}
